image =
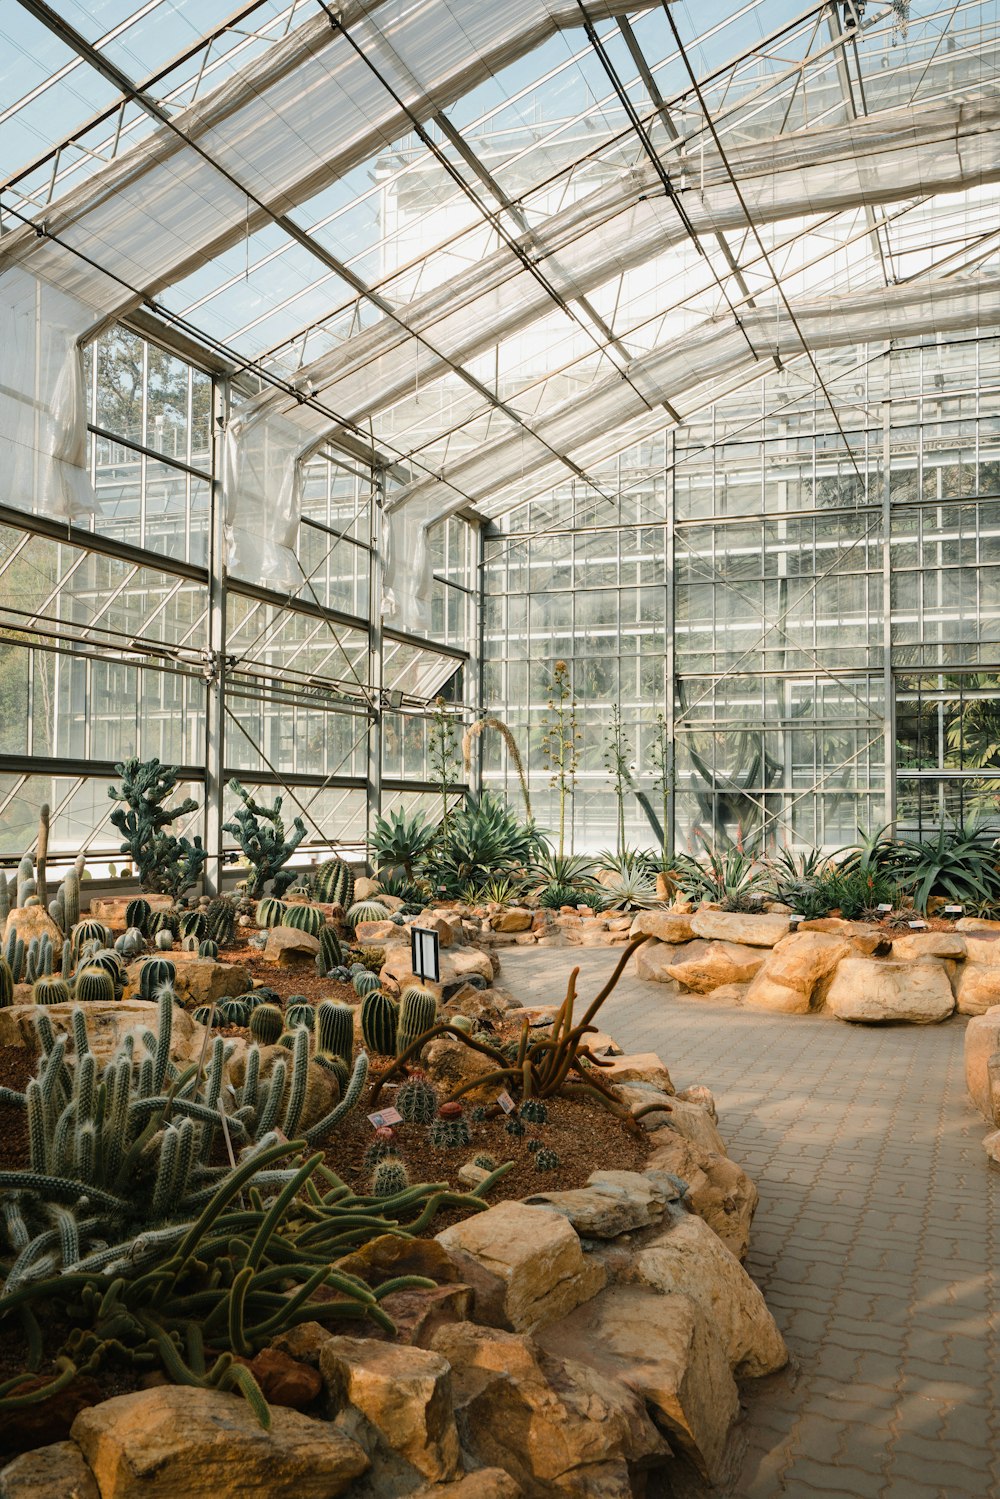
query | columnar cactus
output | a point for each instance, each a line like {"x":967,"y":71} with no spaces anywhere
{"x":25,"y":879}
{"x":335,"y":1029}
{"x":417,"y":1014}
{"x":39,"y":958}
{"x":330,"y":953}
{"x":6,"y":980}
{"x":333,"y":883}
{"x":417,"y":1100}
{"x":379,"y":1019}
{"x":260,"y":832}
{"x":14,"y":954}
{"x":220,"y":919}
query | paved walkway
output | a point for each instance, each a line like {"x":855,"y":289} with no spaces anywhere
{"x":875,"y":1242}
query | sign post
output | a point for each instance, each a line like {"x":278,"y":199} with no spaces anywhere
{"x":425,"y":953}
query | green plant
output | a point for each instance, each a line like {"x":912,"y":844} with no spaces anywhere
{"x":341,"y":1071}
{"x":165,"y":863}
{"x":563,"y":869}
{"x":131,"y":944}
{"x":234,"y":1012}
{"x":560,"y":742}
{"x":206,"y":1015}
{"x":453,"y":1133}
{"x":442,"y":754}
{"x":335,"y":1029}
{"x":333,"y":883}
{"x":508,"y":890}
{"x":137,"y":914}
{"x":266,"y":1024}
{"x":192,"y":924}
{"x":260,"y":832}
{"x":164,"y":921}
{"x":534,"y":1111}
{"x":371,"y":959}
{"x":484,"y":841}
{"x":270,"y":912}
{"x":50,"y":991}
{"x":417,"y":1100}
{"x":382,"y":1148}
{"x":514,"y":1127}
{"x":303,"y":919}
{"x":630,"y":892}
{"x":366,"y":910}
{"x":554,"y":896}
{"x":330,"y":954}
{"x":220,"y":919}
{"x":417,"y":1014}
{"x":6,"y":981}
{"x":476,"y":730}
{"x":14,"y":955}
{"x":300,"y":1014}
{"x":962,"y":864}
{"x":366,"y":983}
{"x":547,"y":1160}
{"x":379,"y":1019}
{"x":153,"y":975}
{"x":390,"y":1178}
{"x":400,"y":844}
{"x":208,"y":948}
{"x":730,"y":876}
{"x":617,"y":755}
{"x":484,"y":1162}
{"x":94,"y":986}
{"x":857,"y":893}
{"x":91,"y":931}
{"x":661,"y":754}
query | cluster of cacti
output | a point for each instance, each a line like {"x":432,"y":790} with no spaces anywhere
{"x":417,"y":1014}
{"x":372,"y":958}
{"x":452,"y":1132}
{"x":39,"y":958}
{"x":153,"y":975}
{"x":307,"y":919}
{"x":65,"y":908}
{"x":166,"y":864}
{"x":260,"y":832}
{"x":379,"y":1019}
{"x":270,"y":912}
{"x":208,"y":949}
{"x":220,"y":920}
{"x":417,"y":1100}
{"x":366,"y":910}
{"x":14,"y":955}
{"x":91,"y":931}
{"x":341,"y":973}
{"x":382,"y":1148}
{"x":266,"y":1024}
{"x":330,"y":954}
{"x":163,"y":921}
{"x":333,"y":883}
{"x":335,"y":1029}
{"x":366,"y":983}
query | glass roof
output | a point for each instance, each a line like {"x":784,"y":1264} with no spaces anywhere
{"x":456,"y":226}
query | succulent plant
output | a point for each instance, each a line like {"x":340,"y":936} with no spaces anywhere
{"x":366,"y":910}
{"x":165,"y":863}
{"x":379,"y":1019}
{"x":164,"y":939}
{"x":417,"y":1014}
{"x":137,"y":914}
{"x":206,"y":1015}
{"x":333,"y":883}
{"x":94,"y":986}
{"x":366,"y":983}
{"x":153,"y":975}
{"x":50,"y":991}
{"x":266,"y":1024}
{"x":270,"y":911}
{"x":131,"y":944}
{"x":382,"y":1148}
{"x":193,"y":924}
{"x":220,"y":919}
{"x":163,"y":921}
{"x":208,"y":949}
{"x":6,"y":978}
{"x":330,"y":954}
{"x":341,"y":973}
{"x":91,"y":931}
{"x":260,"y":832}
{"x":453,"y":1132}
{"x":303,"y":919}
{"x":514,"y":1127}
{"x":533,"y":1111}
{"x":300,"y":1014}
{"x":335,"y":1029}
{"x":417,"y":1100}
{"x":234,"y":1012}
{"x":389,"y":1178}
{"x":547,"y":1160}
{"x":485,"y":1162}
{"x":336,"y":1065}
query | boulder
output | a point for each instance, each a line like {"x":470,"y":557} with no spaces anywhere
{"x":691,"y":1120}
{"x":30,"y":922}
{"x":367,"y":889}
{"x":976,"y":924}
{"x":719,"y":1190}
{"x":983,"y":948}
{"x":287,"y":945}
{"x":991,"y":1145}
{"x":653,"y":960}
{"x":686,"y":1256}
{"x":870,"y":992}
{"x":450,"y":1065}
{"x":929,"y":945}
{"x":111,"y":908}
{"x":404,"y":1392}
{"x":977,"y":988}
{"x":285,"y":1380}
{"x":175,"y":1440}
{"x":749,"y":930}
{"x":638,"y":1067}
{"x":514,"y":919}
{"x":322,"y":1088}
{"x":106,"y":1025}
{"x":419,"y":1312}
{"x":525,"y":1265}
{"x":388,"y":1256}
{"x":701,"y":1095}
{"x":449,"y":929}
{"x":558,"y":1426}
{"x":54,"y":1472}
{"x":795,"y":967}
{"x":665,"y":926}
{"x":982,"y":1040}
{"x":718,"y":963}
{"x":198,"y":981}
{"x":456,"y":964}
{"x":611,"y":1203}
{"x":484,"y":1483}
{"x":665,"y":1349}
{"x":369,"y":933}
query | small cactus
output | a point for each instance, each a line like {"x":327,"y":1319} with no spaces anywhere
{"x":366,"y":983}
{"x":533,"y":1111}
{"x":382,"y":1148}
{"x":366,"y":910}
{"x":266,"y":1024}
{"x":389,"y":1178}
{"x":208,"y":949}
{"x":193,"y":924}
{"x":206,"y":1015}
{"x":417,"y":1014}
{"x":379,"y":1020}
{"x":453,"y":1132}
{"x":137,"y":914}
{"x":50,"y":991}
{"x":300,"y":1014}
{"x":234,"y":1012}
{"x":303,"y":919}
{"x":330,"y":953}
{"x":547,"y":1160}
{"x":514,"y":1127}
{"x":164,"y":939}
{"x":417,"y":1100}
{"x":484,"y":1162}
{"x":270,"y":911}
{"x":153,"y":975}
{"x":131,"y":944}
{"x":94,"y":986}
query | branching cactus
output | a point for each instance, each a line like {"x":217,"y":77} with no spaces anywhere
{"x":260,"y":832}
{"x":166,"y":864}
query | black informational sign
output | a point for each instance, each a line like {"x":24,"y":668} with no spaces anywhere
{"x":425,"y":948}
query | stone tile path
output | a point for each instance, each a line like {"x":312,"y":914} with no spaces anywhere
{"x":877,"y":1239}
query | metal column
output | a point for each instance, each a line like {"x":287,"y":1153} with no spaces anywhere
{"x":215,"y":671}
{"x":373,"y":779}
{"x":669,"y":832}
{"x":888,"y":686}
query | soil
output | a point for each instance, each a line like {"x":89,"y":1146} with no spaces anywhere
{"x":17,"y":1068}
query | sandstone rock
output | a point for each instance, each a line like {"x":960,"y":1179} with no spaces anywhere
{"x":198,"y":981}
{"x":456,"y":964}
{"x":106,"y":1025}
{"x":450,"y":1064}
{"x":33,"y":921}
{"x":735,"y":926}
{"x":929,"y":945}
{"x":977,"y":988}
{"x":322,"y":1088}
{"x":666,"y":1350}
{"x":691,"y":1120}
{"x":796,"y":966}
{"x":377,"y":933}
{"x":653,"y":960}
{"x":638,"y":1067}
{"x":55,"y":1472}
{"x":449,"y":930}
{"x":388,"y":1256}
{"x":719,"y":963}
{"x":665,"y":926}
{"x":991,"y":1145}
{"x":111,"y":908}
{"x":976,"y":924}
{"x":366,"y":889}
{"x":719,"y":1190}
{"x":704,"y":1097}
{"x":871,"y":992}
{"x":484,"y":1483}
{"x":470,"y":1175}
{"x":173,"y":1441}
{"x":287,"y":945}
{"x":419,"y":1313}
{"x":612,"y":1203}
{"x":983,"y":948}
{"x":686,"y":1256}
{"x":404,"y":1392}
{"x":285,"y":1380}
{"x":730,"y":994}
{"x":557,"y":1426}
{"x":514,"y":919}
{"x":982,"y":1040}
{"x":525,"y":1265}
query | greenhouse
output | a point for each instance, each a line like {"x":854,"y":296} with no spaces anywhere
{"x":480,"y":481}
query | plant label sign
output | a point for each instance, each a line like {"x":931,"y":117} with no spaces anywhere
{"x":384,"y":1118}
{"x":425,"y":952}
{"x":917,"y":926}
{"x":506,"y":1102}
{"x":953,"y":910}
{"x":885,"y":908}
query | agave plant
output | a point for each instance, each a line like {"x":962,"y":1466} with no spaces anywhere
{"x":483,"y":840}
{"x":506,"y":890}
{"x":959,"y":863}
{"x":635,"y":891}
{"x":563,"y":869}
{"x":731,"y":876}
{"x":629,"y":861}
{"x":411,"y":892}
{"x":401,"y":842}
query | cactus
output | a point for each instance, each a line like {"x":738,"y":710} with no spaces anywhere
{"x":234,"y":1012}
{"x":270,"y":912}
{"x":193,"y":924}
{"x":137,"y":914}
{"x":14,"y":954}
{"x":208,"y":948}
{"x":42,"y":852}
{"x":300,"y":1014}
{"x":452,"y":1133}
{"x":25,"y":879}
{"x":533,"y":1111}
{"x":366,"y":983}
{"x":50,"y":991}
{"x":417,"y":1014}
{"x":112,"y":964}
{"x":39,"y":958}
{"x":91,"y":931}
{"x":532,"y":1145}
{"x":153,"y":975}
{"x":485,"y":1162}
{"x":333,"y":883}
{"x":336,"y":1065}
{"x":417,"y":1100}
{"x":163,"y":921}
{"x":166,"y":864}
{"x":462,"y":1023}
{"x":389,"y":1178}
{"x":547,"y":1160}
{"x":6,"y":979}
{"x":330,"y":953}
{"x":188,"y":944}
{"x":514,"y":1127}
{"x":366,"y":910}
{"x":206,"y":1015}
{"x":260,"y":832}
{"x":382,"y":1148}
{"x":303,"y":919}
{"x":220,"y":919}
{"x":266,"y":1024}
{"x":379,"y":1018}
{"x":131,"y":944}
{"x":335,"y":1029}
{"x":5,"y":900}
{"x":164,"y":940}
{"x":69,"y":890}
{"x":94,"y":986}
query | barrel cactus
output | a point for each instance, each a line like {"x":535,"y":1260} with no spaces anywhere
{"x":417,"y":1100}
{"x":382,"y":1148}
{"x":335,"y":1029}
{"x":389,"y":1178}
{"x":206,"y":1015}
{"x":417,"y":1014}
{"x":379,"y":1018}
{"x":547,"y":1160}
{"x":270,"y":912}
{"x":164,"y":940}
{"x":153,"y":975}
{"x":91,"y":931}
{"x":533,"y":1111}
{"x":94,"y":986}
{"x":485,"y":1162}
{"x":266,"y":1024}
{"x":452,"y":1132}
{"x":208,"y":949}
{"x":163,"y":921}
{"x":366,"y":983}
{"x":50,"y":991}
{"x":131,"y":944}
{"x":303,"y":919}
{"x":330,"y":953}
{"x":234,"y":1012}
{"x":333,"y":883}
{"x":366,"y":910}
{"x":193,"y":924}
{"x":300,"y":1014}
{"x":220,"y":919}
{"x":137,"y":914}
